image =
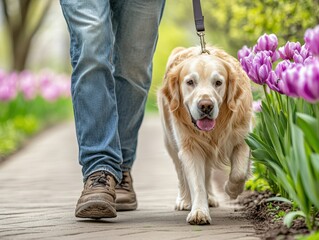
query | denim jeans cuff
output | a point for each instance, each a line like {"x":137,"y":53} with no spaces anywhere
{"x":126,"y":168}
{"x":109,"y":170}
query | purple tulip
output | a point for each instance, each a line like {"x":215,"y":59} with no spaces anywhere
{"x":8,"y":86}
{"x":302,"y":55}
{"x":309,"y":60}
{"x":260,"y":68}
{"x":312,"y":40}
{"x":64,"y":84}
{"x":304,"y":52}
{"x":257,"y":66}
{"x":296,"y":76}
{"x":298,"y":58}
{"x":49,"y":89}
{"x":54,"y":86}
{"x":300,"y":81}
{"x":273,"y":82}
{"x":49,"y":85}
{"x":308,"y":82}
{"x":281,"y":67}
{"x":246,"y":62}
{"x":266,"y":43}
{"x":275,"y":56}
{"x":257,"y":107}
{"x":290,"y":78}
{"x":288,"y":51}
{"x":28,"y":85}
{"x":244,"y":52}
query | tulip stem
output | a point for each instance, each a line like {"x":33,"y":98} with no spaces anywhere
{"x":278,"y":96}
{"x":266,"y":95}
{"x":315,"y":109}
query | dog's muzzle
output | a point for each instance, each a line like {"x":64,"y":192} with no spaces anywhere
{"x":206,"y":122}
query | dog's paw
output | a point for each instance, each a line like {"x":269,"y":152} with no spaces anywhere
{"x":212,"y":202}
{"x":182,"y":204}
{"x":199,"y":217}
{"x":233,"y":190}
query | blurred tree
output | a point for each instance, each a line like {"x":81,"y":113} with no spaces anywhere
{"x":23,"y":19}
{"x":243,"y":21}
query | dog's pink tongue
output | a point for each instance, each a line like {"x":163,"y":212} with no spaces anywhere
{"x":205,"y":124}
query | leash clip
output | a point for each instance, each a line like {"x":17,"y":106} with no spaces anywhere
{"x":202,"y":42}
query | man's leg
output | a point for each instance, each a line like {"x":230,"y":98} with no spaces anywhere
{"x":93,"y":96}
{"x":135,"y":25}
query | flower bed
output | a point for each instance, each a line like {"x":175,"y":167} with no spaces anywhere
{"x":285,"y":142}
{"x":28,"y":103}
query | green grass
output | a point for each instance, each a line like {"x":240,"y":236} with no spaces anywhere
{"x":22,"y":119}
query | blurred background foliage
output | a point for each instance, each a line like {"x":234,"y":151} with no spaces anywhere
{"x":33,"y":33}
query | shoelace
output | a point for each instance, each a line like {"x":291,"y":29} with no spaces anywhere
{"x":100,"y":180}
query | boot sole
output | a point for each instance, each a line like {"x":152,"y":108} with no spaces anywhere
{"x":126,"y":206}
{"x":96,"y":210}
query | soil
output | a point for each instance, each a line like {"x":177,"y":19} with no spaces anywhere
{"x":267,"y":217}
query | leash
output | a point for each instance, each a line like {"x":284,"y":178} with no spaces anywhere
{"x":199,"y":24}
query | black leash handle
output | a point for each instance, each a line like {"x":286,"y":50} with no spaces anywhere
{"x":199,"y":24}
{"x":198,"y":16}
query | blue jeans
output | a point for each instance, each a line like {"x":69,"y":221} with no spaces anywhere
{"x":112,"y":47}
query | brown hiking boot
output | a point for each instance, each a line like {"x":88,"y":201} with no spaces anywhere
{"x":98,"y":197}
{"x":125,"y":195}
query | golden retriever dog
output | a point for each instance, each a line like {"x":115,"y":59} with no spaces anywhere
{"x":206,"y":109}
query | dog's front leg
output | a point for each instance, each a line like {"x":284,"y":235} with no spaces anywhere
{"x":183,"y":200}
{"x":239,"y":171}
{"x":212,"y":201}
{"x":194,"y":169}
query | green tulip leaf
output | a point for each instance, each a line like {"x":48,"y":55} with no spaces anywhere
{"x":309,"y":126}
{"x":278,"y":199}
{"x":288,"y":219}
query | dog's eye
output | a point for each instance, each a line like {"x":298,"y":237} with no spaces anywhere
{"x":190,"y":82}
{"x":218,"y":83}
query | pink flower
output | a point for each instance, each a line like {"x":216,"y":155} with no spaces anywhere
{"x":312,"y":40}
{"x":308,"y":82}
{"x":246,"y":62}
{"x":288,"y":51}
{"x":299,"y":78}
{"x":282,"y":66}
{"x":53,"y":86}
{"x":290,"y":78}
{"x":273,"y":82}
{"x":8,"y":86}
{"x":244,"y":52}
{"x":257,"y":107}
{"x":28,"y":85}
{"x":275,"y":56}
{"x":49,"y":90}
{"x":64,"y":84}
{"x":266,"y":43}
{"x":257,"y":66}
{"x":261,"y":67}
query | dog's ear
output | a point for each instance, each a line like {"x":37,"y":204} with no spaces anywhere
{"x":171,"y":89}
{"x":175,"y":57}
{"x":234,"y":91}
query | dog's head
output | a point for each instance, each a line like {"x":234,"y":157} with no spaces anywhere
{"x":202,"y":84}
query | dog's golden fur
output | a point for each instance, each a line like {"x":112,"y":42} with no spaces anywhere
{"x":195,"y":152}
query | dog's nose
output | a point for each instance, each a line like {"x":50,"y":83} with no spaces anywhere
{"x":205,"y":106}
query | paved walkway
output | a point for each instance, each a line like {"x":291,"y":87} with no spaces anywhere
{"x":40,"y":185}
